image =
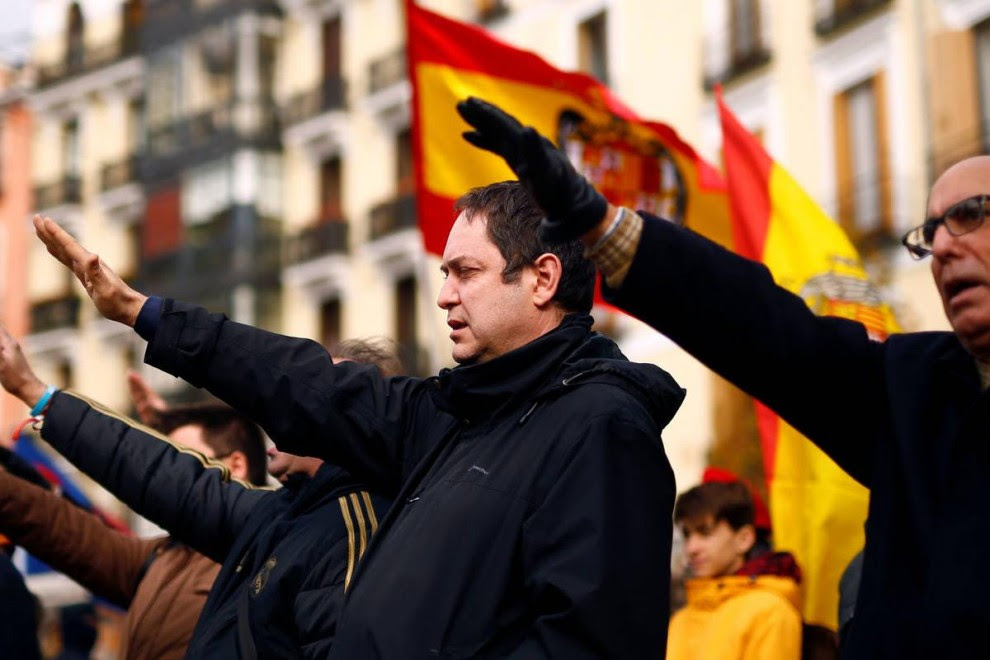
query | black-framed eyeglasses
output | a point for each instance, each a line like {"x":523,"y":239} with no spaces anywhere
{"x":960,"y":218}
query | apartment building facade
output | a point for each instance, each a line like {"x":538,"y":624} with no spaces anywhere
{"x":254,"y":155}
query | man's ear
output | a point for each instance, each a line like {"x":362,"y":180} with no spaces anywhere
{"x":745,"y":539}
{"x":548,"y":271}
{"x":238,"y":463}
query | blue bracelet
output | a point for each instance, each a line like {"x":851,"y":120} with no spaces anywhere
{"x":43,"y":401}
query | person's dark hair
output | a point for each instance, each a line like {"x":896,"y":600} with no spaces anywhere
{"x":224,"y":430}
{"x":728,"y":501}
{"x":513,"y":226}
{"x":381,"y":352}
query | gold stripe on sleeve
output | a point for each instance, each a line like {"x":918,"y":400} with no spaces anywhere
{"x":370,"y":511}
{"x":360,"y":520}
{"x":346,"y":514}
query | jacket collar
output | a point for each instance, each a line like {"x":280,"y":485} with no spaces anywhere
{"x":475,"y":391}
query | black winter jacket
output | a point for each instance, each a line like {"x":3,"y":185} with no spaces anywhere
{"x":285,"y":553}
{"x":534,"y":496}
{"x":906,"y":418}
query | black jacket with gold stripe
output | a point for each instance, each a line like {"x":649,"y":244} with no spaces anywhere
{"x":533,"y":498}
{"x":287,"y":554}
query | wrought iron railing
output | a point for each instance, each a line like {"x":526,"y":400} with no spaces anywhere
{"x":393,"y":215}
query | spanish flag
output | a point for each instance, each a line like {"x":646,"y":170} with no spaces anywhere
{"x":817,"y":510}
{"x":635,"y":163}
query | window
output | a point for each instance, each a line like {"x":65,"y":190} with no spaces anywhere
{"x":593,"y":47}
{"x":330,"y":323}
{"x":75,"y":48}
{"x":164,"y":91}
{"x":405,"y":181}
{"x":745,"y":31}
{"x":982,"y":38}
{"x":331,"y":48}
{"x":862,"y":168}
{"x":71,"y":160}
{"x":331,"y":206}
{"x":405,"y":323}
{"x":270,"y":185}
{"x":206,"y":191}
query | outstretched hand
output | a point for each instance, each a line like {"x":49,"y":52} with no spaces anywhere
{"x":147,"y":401}
{"x":16,"y":375}
{"x":112,"y":296}
{"x":572,"y":205}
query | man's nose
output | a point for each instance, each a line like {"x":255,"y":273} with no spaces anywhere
{"x":942,"y":242}
{"x":448,"y":295}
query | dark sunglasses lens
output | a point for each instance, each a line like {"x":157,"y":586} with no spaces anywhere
{"x":928,"y":232}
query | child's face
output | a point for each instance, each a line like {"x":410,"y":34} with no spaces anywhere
{"x":713,"y":548}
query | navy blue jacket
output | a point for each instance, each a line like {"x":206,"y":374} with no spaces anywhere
{"x":906,"y":418}
{"x":286,"y":553}
{"x":534,"y":495}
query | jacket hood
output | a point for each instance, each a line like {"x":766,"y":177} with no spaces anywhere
{"x":569,"y":356}
{"x":599,"y":360}
{"x":709,"y":593}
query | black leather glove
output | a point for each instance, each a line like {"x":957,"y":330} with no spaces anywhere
{"x":572,"y":205}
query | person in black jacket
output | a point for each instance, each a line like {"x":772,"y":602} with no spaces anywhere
{"x":287,"y":555}
{"x":532,"y":492}
{"x":908,"y":418}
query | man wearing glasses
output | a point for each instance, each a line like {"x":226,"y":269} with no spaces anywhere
{"x":909,"y":418}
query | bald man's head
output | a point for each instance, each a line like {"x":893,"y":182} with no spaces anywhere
{"x":961,"y":258}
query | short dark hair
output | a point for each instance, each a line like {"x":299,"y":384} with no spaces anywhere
{"x":729,"y":501}
{"x":514,"y":227}
{"x":381,"y":352}
{"x":224,"y":429}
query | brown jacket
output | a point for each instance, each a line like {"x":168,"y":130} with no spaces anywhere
{"x":162,"y":605}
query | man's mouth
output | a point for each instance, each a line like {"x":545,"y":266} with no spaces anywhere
{"x":955,"y":287}
{"x":456,"y":325}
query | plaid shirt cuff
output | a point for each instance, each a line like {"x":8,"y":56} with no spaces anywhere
{"x":614,"y":253}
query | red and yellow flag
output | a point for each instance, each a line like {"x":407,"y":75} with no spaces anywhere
{"x":635,"y":163}
{"x":817,"y":510}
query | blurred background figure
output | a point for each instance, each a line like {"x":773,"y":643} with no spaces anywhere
{"x":742,"y":601}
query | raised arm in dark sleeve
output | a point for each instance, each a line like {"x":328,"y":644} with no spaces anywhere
{"x":596,"y":552}
{"x":347,"y":414}
{"x":816,"y":372}
{"x":178,"y":489}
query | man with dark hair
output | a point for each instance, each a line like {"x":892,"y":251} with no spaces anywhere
{"x":907,"y":417}
{"x":528,"y":480}
{"x":739,"y":604}
{"x":160,"y":581}
{"x":287,"y":555}
{"x":231,"y":437}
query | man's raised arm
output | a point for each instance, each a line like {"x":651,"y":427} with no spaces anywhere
{"x":349,"y":415}
{"x":179,"y":489}
{"x":112,"y":296}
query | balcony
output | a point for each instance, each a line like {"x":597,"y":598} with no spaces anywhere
{"x":83,"y":60}
{"x":317,"y":241}
{"x":173,"y":20}
{"x":389,"y":91}
{"x":237,"y":247}
{"x":328,"y":96}
{"x":739,"y":64}
{"x":56,"y":314}
{"x":207,"y":135}
{"x":65,"y":191}
{"x":121,"y":194}
{"x":119,"y":173}
{"x":392,"y":216}
{"x":387,"y":71}
{"x":836,"y":15}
